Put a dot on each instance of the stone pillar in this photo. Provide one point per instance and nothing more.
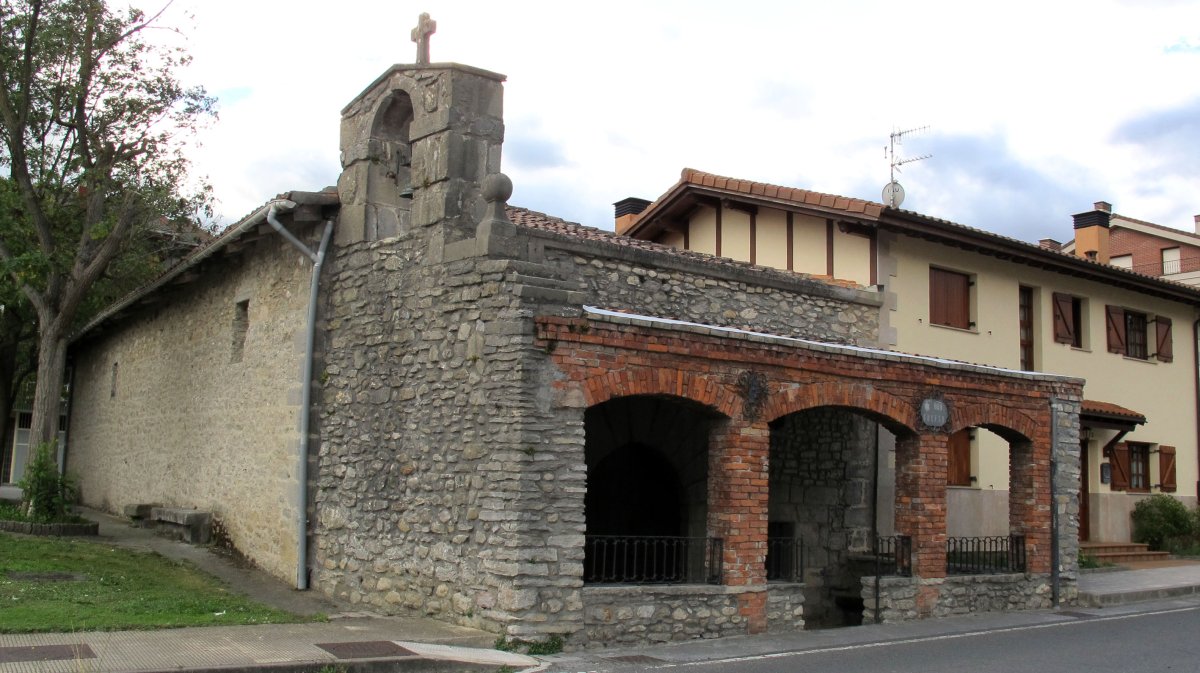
(921, 464)
(737, 511)
(1029, 500)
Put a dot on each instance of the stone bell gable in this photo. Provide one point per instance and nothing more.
(415, 147)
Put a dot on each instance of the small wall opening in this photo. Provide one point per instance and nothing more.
(241, 325)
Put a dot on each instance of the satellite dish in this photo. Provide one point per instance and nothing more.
(893, 194)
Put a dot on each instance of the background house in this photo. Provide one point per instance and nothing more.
(956, 292)
(1140, 246)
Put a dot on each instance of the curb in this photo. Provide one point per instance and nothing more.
(1109, 600)
(385, 665)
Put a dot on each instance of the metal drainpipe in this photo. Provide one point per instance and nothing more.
(1196, 376)
(1054, 572)
(875, 520)
(318, 259)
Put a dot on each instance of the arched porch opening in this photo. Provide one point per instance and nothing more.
(828, 474)
(646, 506)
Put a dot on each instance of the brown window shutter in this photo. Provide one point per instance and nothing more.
(958, 449)
(949, 298)
(1120, 467)
(1064, 321)
(1166, 468)
(1165, 352)
(1115, 317)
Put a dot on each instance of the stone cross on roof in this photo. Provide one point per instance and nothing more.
(420, 35)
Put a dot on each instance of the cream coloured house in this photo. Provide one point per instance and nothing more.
(965, 294)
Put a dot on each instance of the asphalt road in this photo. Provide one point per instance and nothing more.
(1154, 640)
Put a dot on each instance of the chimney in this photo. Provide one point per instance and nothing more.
(1091, 234)
(1050, 244)
(1103, 206)
(628, 212)
(1197, 220)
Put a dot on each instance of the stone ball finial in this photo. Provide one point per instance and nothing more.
(497, 187)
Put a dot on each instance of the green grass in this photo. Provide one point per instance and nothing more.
(11, 512)
(119, 589)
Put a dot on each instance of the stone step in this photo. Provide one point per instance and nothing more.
(1111, 547)
(1131, 557)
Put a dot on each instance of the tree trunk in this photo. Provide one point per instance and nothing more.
(47, 394)
(10, 347)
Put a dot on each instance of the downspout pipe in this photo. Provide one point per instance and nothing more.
(318, 260)
(1055, 580)
(1196, 376)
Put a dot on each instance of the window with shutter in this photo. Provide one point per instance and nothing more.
(1166, 469)
(1114, 318)
(1164, 351)
(1119, 462)
(1138, 457)
(1135, 335)
(1025, 326)
(958, 471)
(949, 298)
(1064, 324)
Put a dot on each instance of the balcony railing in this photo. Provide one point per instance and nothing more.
(638, 559)
(985, 555)
(893, 556)
(785, 559)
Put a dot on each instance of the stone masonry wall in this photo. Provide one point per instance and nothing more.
(634, 615)
(161, 412)
(955, 595)
(624, 279)
(450, 481)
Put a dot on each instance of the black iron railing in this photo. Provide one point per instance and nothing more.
(893, 556)
(985, 555)
(785, 559)
(637, 559)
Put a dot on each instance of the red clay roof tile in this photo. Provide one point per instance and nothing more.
(534, 220)
(1096, 408)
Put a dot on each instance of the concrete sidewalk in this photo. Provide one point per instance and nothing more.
(1119, 587)
(354, 645)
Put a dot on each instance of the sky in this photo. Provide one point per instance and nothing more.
(1031, 111)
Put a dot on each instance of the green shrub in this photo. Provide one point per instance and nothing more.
(47, 494)
(1162, 522)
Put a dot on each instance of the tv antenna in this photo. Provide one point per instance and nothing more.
(893, 193)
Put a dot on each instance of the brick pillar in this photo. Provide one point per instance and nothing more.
(921, 464)
(737, 510)
(1029, 501)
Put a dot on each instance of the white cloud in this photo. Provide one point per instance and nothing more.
(611, 100)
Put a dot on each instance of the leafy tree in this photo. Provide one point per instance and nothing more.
(93, 121)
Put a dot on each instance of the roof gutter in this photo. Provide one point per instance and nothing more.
(1004, 248)
(306, 378)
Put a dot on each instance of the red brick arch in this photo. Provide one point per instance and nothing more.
(901, 412)
(690, 385)
(1009, 423)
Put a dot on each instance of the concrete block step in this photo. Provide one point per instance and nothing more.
(1131, 557)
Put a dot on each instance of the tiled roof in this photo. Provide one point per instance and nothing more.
(805, 197)
(1029, 252)
(534, 220)
(1110, 410)
(1116, 218)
